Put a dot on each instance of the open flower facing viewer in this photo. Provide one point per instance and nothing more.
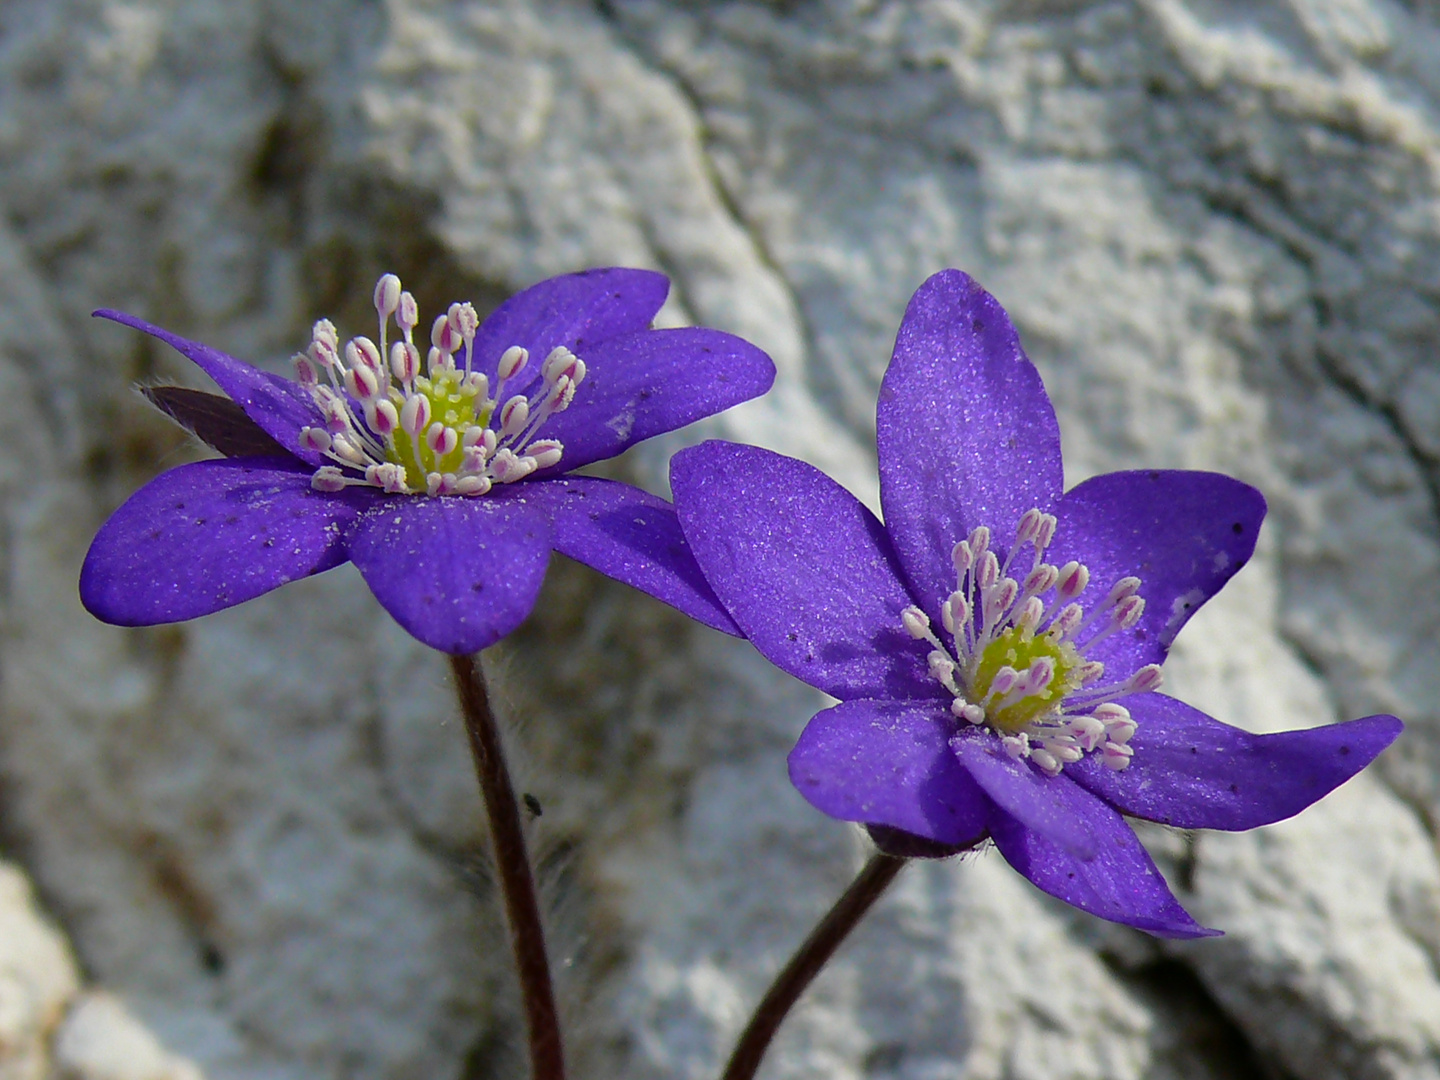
(439, 469)
(996, 644)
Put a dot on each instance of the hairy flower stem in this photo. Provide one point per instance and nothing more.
(807, 962)
(527, 933)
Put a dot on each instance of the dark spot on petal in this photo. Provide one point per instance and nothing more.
(809, 658)
(1070, 874)
(1153, 475)
(479, 586)
(977, 325)
(1344, 751)
(1234, 789)
(646, 395)
(1237, 528)
(200, 521)
(791, 636)
(1194, 749)
(180, 505)
(269, 542)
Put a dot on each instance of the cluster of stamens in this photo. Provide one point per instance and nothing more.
(1019, 665)
(440, 431)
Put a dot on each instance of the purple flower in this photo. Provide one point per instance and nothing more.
(996, 643)
(442, 479)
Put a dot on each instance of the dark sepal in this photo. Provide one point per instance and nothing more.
(215, 420)
(904, 845)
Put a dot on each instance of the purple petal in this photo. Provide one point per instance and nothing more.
(645, 384)
(806, 571)
(888, 763)
(1194, 772)
(279, 406)
(965, 432)
(1038, 802)
(1120, 883)
(1184, 534)
(210, 535)
(574, 310)
(630, 535)
(457, 573)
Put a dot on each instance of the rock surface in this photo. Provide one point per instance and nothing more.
(1215, 224)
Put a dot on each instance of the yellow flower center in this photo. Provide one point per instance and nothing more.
(1019, 648)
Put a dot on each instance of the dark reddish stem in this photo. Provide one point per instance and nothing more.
(512, 862)
(813, 955)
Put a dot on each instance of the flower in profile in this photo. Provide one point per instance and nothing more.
(996, 645)
(442, 476)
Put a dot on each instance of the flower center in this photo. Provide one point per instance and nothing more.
(442, 432)
(1019, 664)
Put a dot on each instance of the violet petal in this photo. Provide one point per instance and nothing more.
(629, 535)
(965, 432)
(804, 568)
(574, 310)
(281, 407)
(645, 384)
(1184, 534)
(457, 573)
(1038, 802)
(1193, 772)
(1121, 883)
(888, 763)
(209, 535)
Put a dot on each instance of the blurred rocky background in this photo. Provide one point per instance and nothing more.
(248, 847)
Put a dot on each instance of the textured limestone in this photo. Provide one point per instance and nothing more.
(1214, 223)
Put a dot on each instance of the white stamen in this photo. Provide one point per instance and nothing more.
(1045, 533)
(328, 478)
(546, 452)
(305, 373)
(1086, 730)
(415, 415)
(387, 295)
(1116, 755)
(513, 416)
(963, 557)
(472, 485)
(1017, 746)
(362, 383)
(382, 417)
(916, 623)
(987, 569)
(511, 361)
(1028, 527)
(361, 352)
(407, 316)
(1046, 760)
(444, 337)
(405, 361)
(314, 438)
(323, 333)
(1145, 680)
(1030, 614)
(1041, 579)
(1074, 578)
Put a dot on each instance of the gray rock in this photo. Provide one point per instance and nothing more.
(1214, 224)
